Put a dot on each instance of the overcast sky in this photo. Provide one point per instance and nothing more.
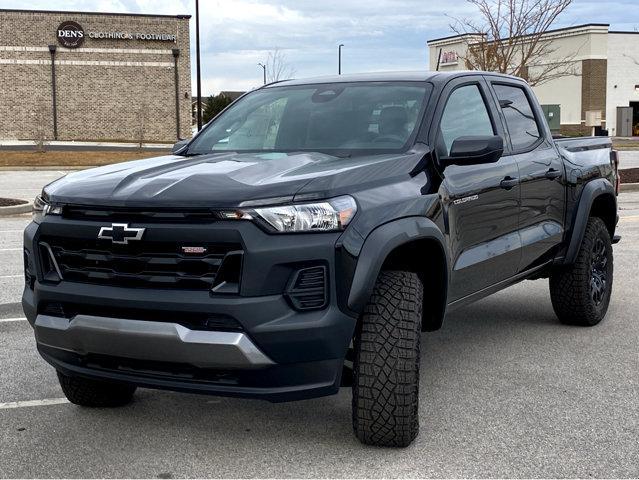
(378, 34)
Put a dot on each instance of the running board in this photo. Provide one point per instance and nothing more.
(473, 297)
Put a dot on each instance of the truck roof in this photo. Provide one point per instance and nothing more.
(409, 76)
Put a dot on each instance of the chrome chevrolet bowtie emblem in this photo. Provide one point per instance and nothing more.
(120, 233)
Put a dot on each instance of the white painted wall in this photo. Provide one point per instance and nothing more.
(566, 92)
(580, 43)
(623, 74)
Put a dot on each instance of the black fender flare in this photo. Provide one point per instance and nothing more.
(379, 244)
(591, 191)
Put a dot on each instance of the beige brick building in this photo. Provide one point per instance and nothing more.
(604, 77)
(94, 76)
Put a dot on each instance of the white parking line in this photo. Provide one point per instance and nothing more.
(10, 249)
(33, 403)
(16, 319)
(12, 231)
(10, 276)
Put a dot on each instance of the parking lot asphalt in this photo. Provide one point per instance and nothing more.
(506, 391)
(26, 184)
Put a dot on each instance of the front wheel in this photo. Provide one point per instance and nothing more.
(95, 393)
(580, 294)
(386, 366)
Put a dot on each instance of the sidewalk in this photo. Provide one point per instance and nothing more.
(628, 159)
(25, 184)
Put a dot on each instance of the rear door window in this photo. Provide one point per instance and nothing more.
(521, 122)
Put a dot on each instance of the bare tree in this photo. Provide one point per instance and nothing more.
(632, 59)
(141, 124)
(507, 37)
(41, 117)
(277, 67)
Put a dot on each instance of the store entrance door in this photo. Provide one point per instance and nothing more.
(635, 118)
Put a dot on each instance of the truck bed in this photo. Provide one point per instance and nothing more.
(576, 144)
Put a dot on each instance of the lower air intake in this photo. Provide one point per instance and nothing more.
(308, 289)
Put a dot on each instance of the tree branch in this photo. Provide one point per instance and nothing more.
(512, 38)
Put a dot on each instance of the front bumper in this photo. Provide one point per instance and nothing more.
(277, 353)
(151, 341)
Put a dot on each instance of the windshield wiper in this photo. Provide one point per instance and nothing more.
(214, 152)
(189, 154)
(339, 154)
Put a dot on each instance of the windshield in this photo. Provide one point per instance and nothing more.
(342, 117)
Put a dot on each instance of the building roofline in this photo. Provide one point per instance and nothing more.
(556, 30)
(575, 27)
(450, 37)
(631, 32)
(75, 12)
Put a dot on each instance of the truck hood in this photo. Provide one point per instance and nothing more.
(223, 179)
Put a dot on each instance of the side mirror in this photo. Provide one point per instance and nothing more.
(475, 150)
(179, 145)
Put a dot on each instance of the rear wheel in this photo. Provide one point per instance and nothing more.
(580, 294)
(95, 393)
(386, 366)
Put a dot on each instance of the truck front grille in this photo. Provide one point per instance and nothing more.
(115, 215)
(150, 265)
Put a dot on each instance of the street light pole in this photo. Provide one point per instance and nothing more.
(339, 58)
(197, 65)
(52, 50)
(263, 68)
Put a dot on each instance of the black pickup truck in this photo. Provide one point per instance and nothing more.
(306, 237)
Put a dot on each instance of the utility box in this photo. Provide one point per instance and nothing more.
(593, 118)
(553, 116)
(624, 122)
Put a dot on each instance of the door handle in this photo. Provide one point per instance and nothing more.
(552, 173)
(509, 182)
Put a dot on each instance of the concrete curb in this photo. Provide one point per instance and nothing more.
(19, 168)
(16, 209)
(56, 144)
(630, 187)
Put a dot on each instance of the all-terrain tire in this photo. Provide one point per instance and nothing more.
(94, 393)
(580, 293)
(386, 366)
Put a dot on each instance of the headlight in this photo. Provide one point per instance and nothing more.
(41, 208)
(326, 216)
